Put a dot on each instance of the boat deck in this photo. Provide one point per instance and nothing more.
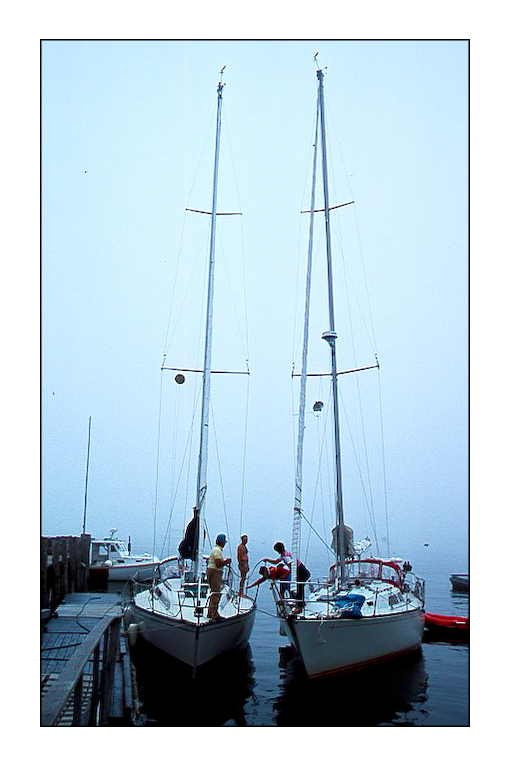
(171, 599)
(379, 599)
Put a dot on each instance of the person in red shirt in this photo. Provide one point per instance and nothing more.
(280, 573)
(303, 574)
(284, 558)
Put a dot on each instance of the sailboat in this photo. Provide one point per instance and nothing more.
(172, 614)
(367, 609)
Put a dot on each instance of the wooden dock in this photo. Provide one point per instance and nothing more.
(64, 568)
(86, 672)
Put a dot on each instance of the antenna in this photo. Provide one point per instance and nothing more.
(87, 477)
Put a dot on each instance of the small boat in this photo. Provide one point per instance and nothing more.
(113, 558)
(368, 609)
(173, 614)
(460, 582)
(447, 626)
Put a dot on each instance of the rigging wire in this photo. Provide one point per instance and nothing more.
(357, 227)
(323, 509)
(296, 333)
(187, 452)
(180, 246)
(366, 320)
(159, 429)
(199, 255)
(319, 478)
(243, 482)
(316, 533)
(221, 484)
(359, 397)
(370, 507)
(170, 336)
(385, 492)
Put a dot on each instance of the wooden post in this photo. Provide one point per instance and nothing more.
(65, 560)
(85, 544)
(44, 573)
(64, 563)
(95, 692)
(77, 701)
(111, 643)
(56, 567)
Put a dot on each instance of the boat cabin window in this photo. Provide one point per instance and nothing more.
(99, 552)
(106, 550)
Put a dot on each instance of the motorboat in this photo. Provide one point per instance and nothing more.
(113, 557)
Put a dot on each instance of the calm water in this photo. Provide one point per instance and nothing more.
(265, 686)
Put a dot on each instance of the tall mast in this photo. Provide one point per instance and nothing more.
(331, 336)
(201, 486)
(296, 527)
(87, 477)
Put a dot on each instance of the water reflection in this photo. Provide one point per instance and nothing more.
(171, 697)
(392, 693)
(460, 603)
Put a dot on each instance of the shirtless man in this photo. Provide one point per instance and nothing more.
(243, 560)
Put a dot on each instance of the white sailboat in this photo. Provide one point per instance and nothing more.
(368, 609)
(172, 614)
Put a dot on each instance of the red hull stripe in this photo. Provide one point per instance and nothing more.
(365, 664)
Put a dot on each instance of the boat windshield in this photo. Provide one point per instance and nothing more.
(374, 569)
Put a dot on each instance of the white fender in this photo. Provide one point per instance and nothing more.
(132, 632)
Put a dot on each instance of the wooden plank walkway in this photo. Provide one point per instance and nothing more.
(77, 618)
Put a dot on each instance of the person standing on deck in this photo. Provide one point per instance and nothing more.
(243, 560)
(215, 576)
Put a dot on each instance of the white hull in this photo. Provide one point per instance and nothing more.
(332, 645)
(191, 643)
(170, 617)
(143, 571)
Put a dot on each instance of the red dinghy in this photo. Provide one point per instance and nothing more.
(447, 625)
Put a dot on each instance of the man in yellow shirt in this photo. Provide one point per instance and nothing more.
(215, 576)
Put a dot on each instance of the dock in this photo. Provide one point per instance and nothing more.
(86, 672)
(87, 678)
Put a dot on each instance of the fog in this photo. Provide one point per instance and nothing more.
(127, 146)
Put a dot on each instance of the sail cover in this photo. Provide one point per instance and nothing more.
(348, 539)
(188, 548)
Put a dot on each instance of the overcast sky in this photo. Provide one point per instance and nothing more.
(127, 145)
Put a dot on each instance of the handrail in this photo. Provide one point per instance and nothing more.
(70, 681)
(284, 604)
